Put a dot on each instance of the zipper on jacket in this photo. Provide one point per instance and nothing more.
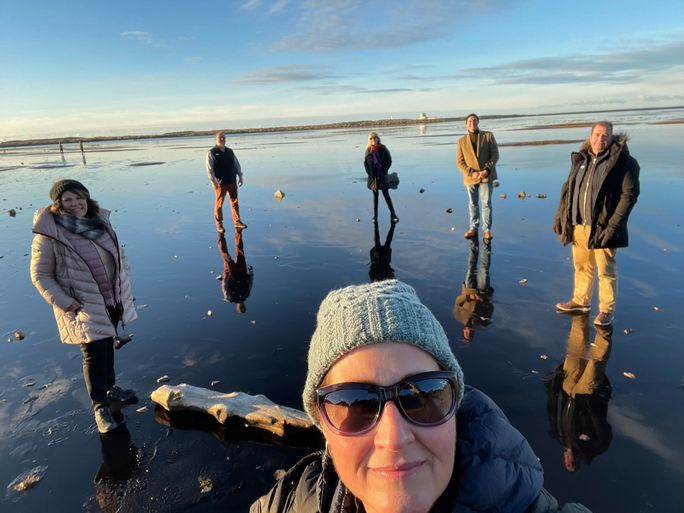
(586, 191)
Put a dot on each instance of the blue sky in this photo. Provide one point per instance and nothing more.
(89, 68)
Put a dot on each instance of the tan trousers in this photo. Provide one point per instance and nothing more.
(585, 363)
(586, 261)
(220, 193)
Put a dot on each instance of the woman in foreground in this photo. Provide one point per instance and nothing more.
(79, 268)
(402, 432)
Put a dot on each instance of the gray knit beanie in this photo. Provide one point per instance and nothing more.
(59, 187)
(360, 315)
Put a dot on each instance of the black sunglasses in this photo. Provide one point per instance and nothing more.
(426, 399)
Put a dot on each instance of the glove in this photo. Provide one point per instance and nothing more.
(557, 227)
(606, 236)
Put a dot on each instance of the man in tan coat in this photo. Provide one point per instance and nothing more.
(476, 156)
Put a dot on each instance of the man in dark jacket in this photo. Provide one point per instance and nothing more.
(225, 174)
(595, 203)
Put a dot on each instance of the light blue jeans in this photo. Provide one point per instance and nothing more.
(480, 193)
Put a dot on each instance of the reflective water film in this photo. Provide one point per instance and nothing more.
(602, 408)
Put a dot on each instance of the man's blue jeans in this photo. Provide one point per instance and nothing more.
(480, 193)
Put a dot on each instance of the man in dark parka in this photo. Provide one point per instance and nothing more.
(596, 200)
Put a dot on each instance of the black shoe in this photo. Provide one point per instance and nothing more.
(395, 219)
(123, 395)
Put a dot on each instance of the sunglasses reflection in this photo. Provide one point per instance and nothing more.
(473, 307)
(238, 277)
(426, 399)
(381, 255)
(578, 393)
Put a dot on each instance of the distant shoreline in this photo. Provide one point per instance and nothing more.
(381, 123)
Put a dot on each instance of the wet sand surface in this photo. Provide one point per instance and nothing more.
(317, 238)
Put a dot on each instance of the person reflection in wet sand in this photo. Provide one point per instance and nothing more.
(237, 275)
(473, 307)
(119, 462)
(381, 256)
(578, 393)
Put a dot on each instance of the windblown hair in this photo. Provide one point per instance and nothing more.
(370, 139)
(93, 207)
(605, 124)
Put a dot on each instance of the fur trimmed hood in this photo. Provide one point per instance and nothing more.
(619, 138)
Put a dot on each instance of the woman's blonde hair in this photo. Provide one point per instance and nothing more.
(370, 138)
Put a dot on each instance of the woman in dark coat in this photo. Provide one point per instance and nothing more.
(403, 434)
(377, 162)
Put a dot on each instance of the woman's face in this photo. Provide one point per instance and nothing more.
(396, 466)
(74, 204)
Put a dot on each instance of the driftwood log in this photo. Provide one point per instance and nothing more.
(255, 410)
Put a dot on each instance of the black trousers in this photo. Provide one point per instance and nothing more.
(98, 365)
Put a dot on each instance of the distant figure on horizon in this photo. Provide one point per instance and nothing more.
(595, 203)
(377, 161)
(223, 168)
(237, 275)
(81, 270)
(476, 156)
(473, 307)
(578, 393)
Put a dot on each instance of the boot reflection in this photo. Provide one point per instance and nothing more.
(381, 256)
(473, 307)
(238, 277)
(578, 393)
(120, 459)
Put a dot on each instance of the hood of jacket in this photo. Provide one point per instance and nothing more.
(617, 147)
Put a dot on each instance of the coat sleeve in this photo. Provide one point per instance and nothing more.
(388, 158)
(460, 159)
(43, 263)
(493, 152)
(628, 195)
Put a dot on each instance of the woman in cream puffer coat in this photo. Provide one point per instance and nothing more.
(80, 269)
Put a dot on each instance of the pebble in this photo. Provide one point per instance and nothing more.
(449, 210)
(358, 220)
(253, 321)
(627, 331)
(12, 212)
(205, 484)
(503, 196)
(523, 281)
(629, 375)
(420, 191)
(541, 196)
(209, 313)
(215, 382)
(142, 409)
(656, 309)
(279, 194)
(544, 357)
(28, 479)
(522, 195)
(19, 335)
(163, 379)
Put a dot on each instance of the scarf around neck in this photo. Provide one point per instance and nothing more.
(91, 228)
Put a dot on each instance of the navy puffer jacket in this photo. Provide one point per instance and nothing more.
(498, 471)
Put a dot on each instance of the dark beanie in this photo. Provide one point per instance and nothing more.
(59, 187)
